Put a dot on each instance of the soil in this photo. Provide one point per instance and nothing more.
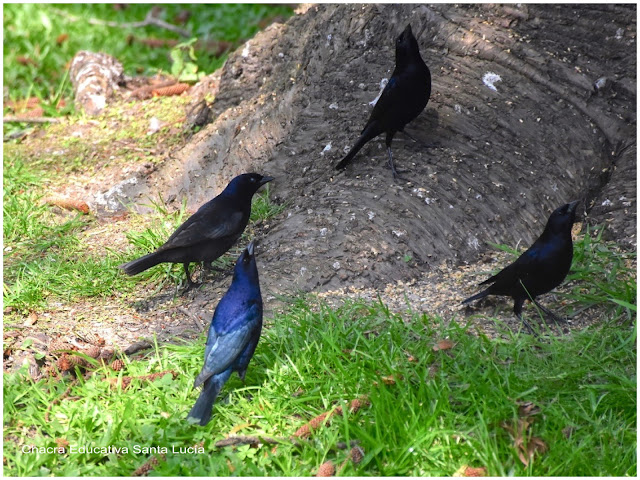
(292, 100)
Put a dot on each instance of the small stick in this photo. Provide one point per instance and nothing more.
(17, 119)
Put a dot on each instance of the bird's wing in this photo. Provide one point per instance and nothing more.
(525, 263)
(206, 226)
(386, 101)
(225, 344)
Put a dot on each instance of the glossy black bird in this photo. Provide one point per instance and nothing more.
(538, 270)
(233, 335)
(402, 100)
(208, 233)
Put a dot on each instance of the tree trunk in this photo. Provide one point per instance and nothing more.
(294, 99)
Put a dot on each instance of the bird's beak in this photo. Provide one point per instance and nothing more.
(408, 29)
(250, 248)
(266, 180)
(573, 205)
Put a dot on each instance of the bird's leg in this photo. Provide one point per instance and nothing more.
(208, 266)
(190, 283)
(390, 163)
(549, 313)
(517, 309)
(421, 142)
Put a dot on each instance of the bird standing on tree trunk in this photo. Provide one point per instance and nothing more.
(233, 335)
(208, 233)
(402, 100)
(538, 270)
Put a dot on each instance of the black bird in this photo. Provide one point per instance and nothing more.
(402, 100)
(538, 270)
(233, 335)
(208, 233)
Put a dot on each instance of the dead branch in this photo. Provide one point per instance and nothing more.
(150, 19)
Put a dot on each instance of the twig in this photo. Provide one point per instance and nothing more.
(195, 319)
(14, 119)
(148, 20)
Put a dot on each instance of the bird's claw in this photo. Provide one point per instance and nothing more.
(189, 286)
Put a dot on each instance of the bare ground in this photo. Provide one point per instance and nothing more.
(292, 100)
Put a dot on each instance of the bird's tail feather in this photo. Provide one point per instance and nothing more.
(477, 296)
(367, 134)
(201, 411)
(141, 264)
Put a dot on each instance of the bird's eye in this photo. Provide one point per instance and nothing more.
(253, 179)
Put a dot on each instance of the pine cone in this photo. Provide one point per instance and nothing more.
(106, 354)
(326, 469)
(117, 365)
(77, 360)
(64, 363)
(357, 454)
(92, 351)
(93, 339)
(56, 346)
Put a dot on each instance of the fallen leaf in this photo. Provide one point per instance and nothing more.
(237, 428)
(388, 380)
(31, 319)
(443, 345)
(528, 409)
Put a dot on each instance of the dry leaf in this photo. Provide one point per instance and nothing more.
(443, 345)
(389, 380)
(237, 428)
(527, 409)
(67, 203)
(62, 443)
(526, 449)
(31, 319)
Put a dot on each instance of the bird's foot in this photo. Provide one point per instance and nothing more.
(396, 173)
(549, 314)
(209, 267)
(189, 286)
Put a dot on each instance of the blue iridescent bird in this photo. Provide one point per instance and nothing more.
(233, 335)
(538, 270)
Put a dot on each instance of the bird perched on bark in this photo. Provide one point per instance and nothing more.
(402, 99)
(538, 270)
(208, 233)
(233, 335)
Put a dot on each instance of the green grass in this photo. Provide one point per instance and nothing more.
(36, 52)
(46, 255)
(443, 412)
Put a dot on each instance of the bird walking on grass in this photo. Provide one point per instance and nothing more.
(403, 98)
(233, 335)
(208, 233)
(538, 270)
